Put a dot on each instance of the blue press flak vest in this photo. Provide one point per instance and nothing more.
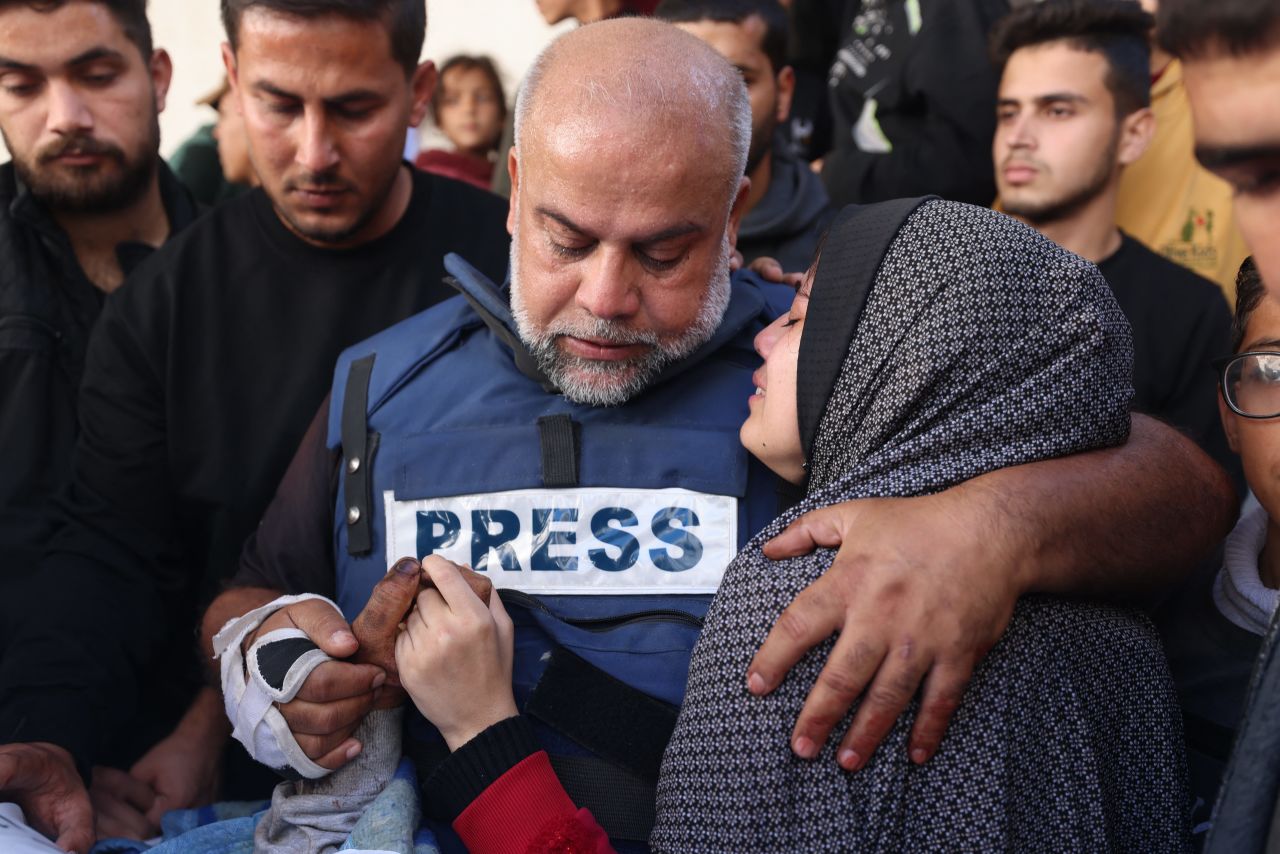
(606, 528)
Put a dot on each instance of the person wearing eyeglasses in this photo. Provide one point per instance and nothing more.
(1212, 630)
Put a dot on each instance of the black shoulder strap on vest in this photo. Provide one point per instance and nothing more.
(524, 359)
(356, 450)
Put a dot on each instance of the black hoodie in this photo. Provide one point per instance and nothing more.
(787, 223)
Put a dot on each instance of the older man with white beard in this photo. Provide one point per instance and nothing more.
(580, 448)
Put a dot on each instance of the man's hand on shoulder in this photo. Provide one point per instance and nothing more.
(42, 779)
(916, 596)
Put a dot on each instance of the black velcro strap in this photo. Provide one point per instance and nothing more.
(355, 456)
(558, 435)
(621, 803)
(275, 659)
(603, 714)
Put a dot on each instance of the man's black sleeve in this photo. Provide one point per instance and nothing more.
(292, 549)
(112, 587)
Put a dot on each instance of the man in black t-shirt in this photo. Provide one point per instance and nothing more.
(203, 373)
(787, 208)
(1072, 112)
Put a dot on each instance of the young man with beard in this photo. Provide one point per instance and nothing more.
(787, 209)
(203, 373)
(1072, 113)
(580, 445)
(84, 199)
(1230, 54)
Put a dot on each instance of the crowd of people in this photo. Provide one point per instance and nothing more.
(825, 425)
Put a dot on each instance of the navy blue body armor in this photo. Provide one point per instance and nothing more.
(607, 529)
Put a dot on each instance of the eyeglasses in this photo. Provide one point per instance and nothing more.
(1250, 383)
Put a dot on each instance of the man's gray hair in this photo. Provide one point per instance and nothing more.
(654, 86)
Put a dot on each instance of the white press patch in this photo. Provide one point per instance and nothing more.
(571, 541)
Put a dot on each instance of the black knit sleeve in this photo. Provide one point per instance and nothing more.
(473, 767)
(292, 548)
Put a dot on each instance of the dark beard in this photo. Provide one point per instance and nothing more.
(1056, 210)
(761, 145)
(333, 236)
(86, 191)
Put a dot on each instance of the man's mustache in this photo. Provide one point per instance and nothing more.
(80, 145)
(316, 181)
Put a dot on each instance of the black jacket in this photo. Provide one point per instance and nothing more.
(47, 309)
(787, 223)
(201, 377)
(913, 95)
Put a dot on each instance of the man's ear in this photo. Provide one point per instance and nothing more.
(739, 209)
(229, 65)
(1230, 424)
(513, 169)
(1136, 132)
(424, 86)
(785, 80)
(161, 70)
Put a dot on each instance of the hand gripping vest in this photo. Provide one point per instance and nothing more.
(607, 529)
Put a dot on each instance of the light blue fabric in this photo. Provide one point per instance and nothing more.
(390, 824)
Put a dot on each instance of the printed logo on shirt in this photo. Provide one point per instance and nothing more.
(575, 541)
(1194, 246)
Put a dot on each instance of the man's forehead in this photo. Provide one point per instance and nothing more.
(325, 44)
(59, 36)
(1056, 66)
(735, 40)
(1228, 96)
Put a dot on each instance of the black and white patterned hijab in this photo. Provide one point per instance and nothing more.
(970, 344)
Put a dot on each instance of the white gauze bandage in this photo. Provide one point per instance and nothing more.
(273, 671)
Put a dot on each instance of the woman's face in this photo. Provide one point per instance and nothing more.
(469, 112)
(772, 430)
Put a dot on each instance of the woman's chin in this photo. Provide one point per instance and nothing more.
(789, 467)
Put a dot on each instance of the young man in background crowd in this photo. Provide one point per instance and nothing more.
(1168, 201)
(204, 372)
(787, 210)
(1072, 114)
(1230, 54)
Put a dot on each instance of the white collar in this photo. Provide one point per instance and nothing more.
(1238, 591)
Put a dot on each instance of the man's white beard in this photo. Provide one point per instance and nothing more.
(611, 383)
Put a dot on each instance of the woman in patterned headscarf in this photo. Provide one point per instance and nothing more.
(921, 356)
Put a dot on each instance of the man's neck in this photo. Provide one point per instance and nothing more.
(760, 178)
(1090, 232)
(94, 237)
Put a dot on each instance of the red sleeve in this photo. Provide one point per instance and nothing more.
(526, 811)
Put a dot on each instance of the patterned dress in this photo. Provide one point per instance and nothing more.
(977, 344)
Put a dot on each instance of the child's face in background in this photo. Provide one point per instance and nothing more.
(470, 114)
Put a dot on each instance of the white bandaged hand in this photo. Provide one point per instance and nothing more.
(273, 671)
